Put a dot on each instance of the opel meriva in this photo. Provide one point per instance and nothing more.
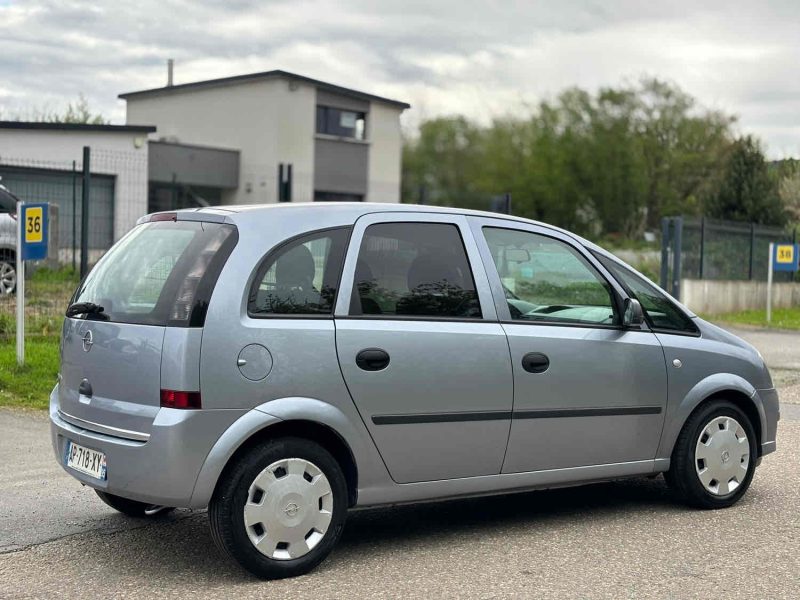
(281, 365)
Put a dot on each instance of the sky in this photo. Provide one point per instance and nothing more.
(478, 58)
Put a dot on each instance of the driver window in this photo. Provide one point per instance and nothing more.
(547, 281)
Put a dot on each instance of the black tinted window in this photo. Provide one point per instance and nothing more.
(414, 269)
(659, 310)
(301, 277)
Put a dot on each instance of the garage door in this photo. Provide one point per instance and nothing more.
(56, 187)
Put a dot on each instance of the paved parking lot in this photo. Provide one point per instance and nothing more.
(621, 539)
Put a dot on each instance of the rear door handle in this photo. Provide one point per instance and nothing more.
(372, 359)
(535, 362)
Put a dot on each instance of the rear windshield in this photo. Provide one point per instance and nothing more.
(160, 273)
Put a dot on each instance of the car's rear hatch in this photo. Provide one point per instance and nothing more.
(154, 284)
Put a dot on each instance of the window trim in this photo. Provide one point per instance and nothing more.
(264, 264)
(616, 300)
(683, 332)
(395, 317)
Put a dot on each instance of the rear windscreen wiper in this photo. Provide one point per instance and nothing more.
(86, 308)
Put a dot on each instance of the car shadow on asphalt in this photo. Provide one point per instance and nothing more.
(186, 540)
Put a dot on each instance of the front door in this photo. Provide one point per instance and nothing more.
(420, 348)
(586, 390)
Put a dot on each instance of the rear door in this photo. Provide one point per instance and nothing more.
(154, 279)
(422, 353)
(586, 390)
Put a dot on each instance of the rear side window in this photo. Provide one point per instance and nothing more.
(660, 311)
(160, 273)
(301, 277)
(545, 280)
(415, 270)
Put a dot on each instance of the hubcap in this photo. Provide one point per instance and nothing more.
(722, 456)
(8, 278)
(289, 508)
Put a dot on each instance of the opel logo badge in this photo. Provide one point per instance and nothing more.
(87, 341)
(726, 456)
(291, 509)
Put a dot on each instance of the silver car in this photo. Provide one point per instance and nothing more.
(281, 365)
(8, 241)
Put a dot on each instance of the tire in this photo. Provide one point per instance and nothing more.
(133, 508)
(723, 480)
(8, 276)
(305, 502)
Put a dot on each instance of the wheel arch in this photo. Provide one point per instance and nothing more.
(306, 418)
(720, 386)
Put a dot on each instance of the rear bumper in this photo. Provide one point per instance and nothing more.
(772, 414)
(162, 470)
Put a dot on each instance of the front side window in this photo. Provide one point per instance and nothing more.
(301, 277)
(660, 311)
(341, 123)
(546, 280)
(414, 270)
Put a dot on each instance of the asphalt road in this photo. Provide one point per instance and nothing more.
(620, 539)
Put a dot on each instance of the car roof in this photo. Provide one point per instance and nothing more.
(353, 210)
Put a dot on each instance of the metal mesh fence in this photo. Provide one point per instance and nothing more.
(117, 198)
(726, 250)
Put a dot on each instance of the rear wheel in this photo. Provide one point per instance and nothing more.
(133, 508)
(280, 508)
(714, 457)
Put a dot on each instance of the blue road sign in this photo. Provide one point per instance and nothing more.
(33, 221)
(784, 257)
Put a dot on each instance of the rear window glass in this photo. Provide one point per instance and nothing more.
(152, 276)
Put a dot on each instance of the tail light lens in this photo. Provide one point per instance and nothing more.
(179, 399)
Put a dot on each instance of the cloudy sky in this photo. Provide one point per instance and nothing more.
(480, 58)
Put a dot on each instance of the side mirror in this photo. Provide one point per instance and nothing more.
(634, 315)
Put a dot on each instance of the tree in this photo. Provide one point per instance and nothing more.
(789, 190)
(746, 190)
(79, 112)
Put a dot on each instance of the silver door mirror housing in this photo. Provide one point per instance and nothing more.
(634, 315)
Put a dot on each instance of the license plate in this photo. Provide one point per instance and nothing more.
(85, 460)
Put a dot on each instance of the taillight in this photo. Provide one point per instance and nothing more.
(164, 217)
(177, 399)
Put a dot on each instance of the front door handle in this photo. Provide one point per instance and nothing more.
(372, 359)
(535, 362)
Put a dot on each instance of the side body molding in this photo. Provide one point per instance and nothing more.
(678, 413)
(369, 466)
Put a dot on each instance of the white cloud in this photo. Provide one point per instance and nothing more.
(476, 57)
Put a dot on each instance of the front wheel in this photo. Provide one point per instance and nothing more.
(714, 457)
(280, 508)
(8, 276)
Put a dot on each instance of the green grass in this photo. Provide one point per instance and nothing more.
(782, 318)
(28, 386)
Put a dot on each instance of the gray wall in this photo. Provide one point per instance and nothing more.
(194, 165)
(709, 297)
(340, 166)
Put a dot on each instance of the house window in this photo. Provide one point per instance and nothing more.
(341, 123)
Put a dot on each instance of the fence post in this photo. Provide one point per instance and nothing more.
(664, 252)
(87, 184)
(702, 247)
(74, 214)
(677, 242)
(752, 249)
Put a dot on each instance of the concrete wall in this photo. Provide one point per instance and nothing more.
(385, 153)
(268, 121)
(121, 154)
(718, 297)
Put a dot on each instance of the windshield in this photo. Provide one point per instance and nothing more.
(151, 275)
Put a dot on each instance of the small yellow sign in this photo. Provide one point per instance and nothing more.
(33, 225)
(784, 253)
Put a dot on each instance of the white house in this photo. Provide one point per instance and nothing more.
(269, 137)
